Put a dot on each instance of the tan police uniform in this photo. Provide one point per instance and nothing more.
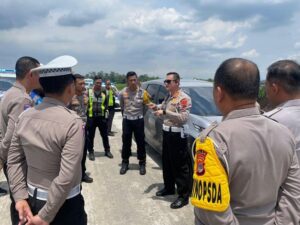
(175, 155)
(132, 105)
(13, 103)
(288, 114)
(79, 105)
(45, 154)
(258, 155)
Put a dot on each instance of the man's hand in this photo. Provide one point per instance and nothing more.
(159, 112)
(152, 106)
(24, 211)
(36, 220)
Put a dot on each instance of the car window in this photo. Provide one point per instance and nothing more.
(202, 101)
(5, 85)
(161, 95)
(152, 90)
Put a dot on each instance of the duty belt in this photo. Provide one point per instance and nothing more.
(172, 129)
(43, 194)
(132, 117)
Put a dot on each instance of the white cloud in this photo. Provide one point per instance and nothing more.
(297, 45)
(250, 54)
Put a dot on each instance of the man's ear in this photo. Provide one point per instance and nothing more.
(275, 88)
(219, 94)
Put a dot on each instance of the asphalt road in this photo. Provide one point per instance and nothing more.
(114, 199)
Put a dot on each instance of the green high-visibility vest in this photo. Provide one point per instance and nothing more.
(90, 106)
(110, 98)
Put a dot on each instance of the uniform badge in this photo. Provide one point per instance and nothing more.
(27, 106)
(200, 160)
(184, 103)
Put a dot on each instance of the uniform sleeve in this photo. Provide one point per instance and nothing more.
(183, 110)
(14, 110)
(288, 207)
(17, 169)
(205, 217)
(70, 162)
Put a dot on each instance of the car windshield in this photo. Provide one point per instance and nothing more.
(5, 85)
(202, 101)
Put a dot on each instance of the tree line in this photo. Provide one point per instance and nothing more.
(117, 77)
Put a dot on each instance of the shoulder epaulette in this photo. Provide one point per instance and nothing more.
(206, 131)
(273, 112)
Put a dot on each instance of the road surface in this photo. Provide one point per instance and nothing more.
(114, 199)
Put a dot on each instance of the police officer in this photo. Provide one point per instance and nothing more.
(283, 92)
(110, 93)
(176, 162)
(246, 171)
(79, 104)
(13, 103)
(97, 117)
(46, 151)
(132, 101)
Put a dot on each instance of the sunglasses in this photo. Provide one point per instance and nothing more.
(168, 81)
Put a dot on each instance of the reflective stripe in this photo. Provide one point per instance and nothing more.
(172, 129)
(90, 106)
(110, 98)
(43, 194)
(90, 109)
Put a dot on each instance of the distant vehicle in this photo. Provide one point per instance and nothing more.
(88, 83)
(7, 79)
(202, 114)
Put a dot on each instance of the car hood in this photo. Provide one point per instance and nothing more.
(198, 123)
(208, 119)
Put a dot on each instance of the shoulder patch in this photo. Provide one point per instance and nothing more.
(210, 181)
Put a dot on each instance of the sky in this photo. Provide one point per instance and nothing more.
(191, 37)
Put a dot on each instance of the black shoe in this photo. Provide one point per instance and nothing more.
(179, 203)
(164, 192)
(3, 192)
(109, 155)
(92, 156)
(124, 168)
(142, 169)
(87, 179)
(111, 134)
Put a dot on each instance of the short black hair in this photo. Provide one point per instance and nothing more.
(286, 73)
(24, 65)
(97, 77)
(57, 84)
(239, 77)
(130, 74)
(175, 75)
(78, 76)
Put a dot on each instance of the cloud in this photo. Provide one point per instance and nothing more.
(297, 45)
(80, 18)
(250, 54)
(171, 26)
(271, 13)
(17, 13)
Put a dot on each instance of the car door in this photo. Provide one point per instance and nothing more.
(150, 118)
(158, 135)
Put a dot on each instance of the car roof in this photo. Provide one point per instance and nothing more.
(184, 83)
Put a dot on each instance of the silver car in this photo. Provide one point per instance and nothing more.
(203, 111)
